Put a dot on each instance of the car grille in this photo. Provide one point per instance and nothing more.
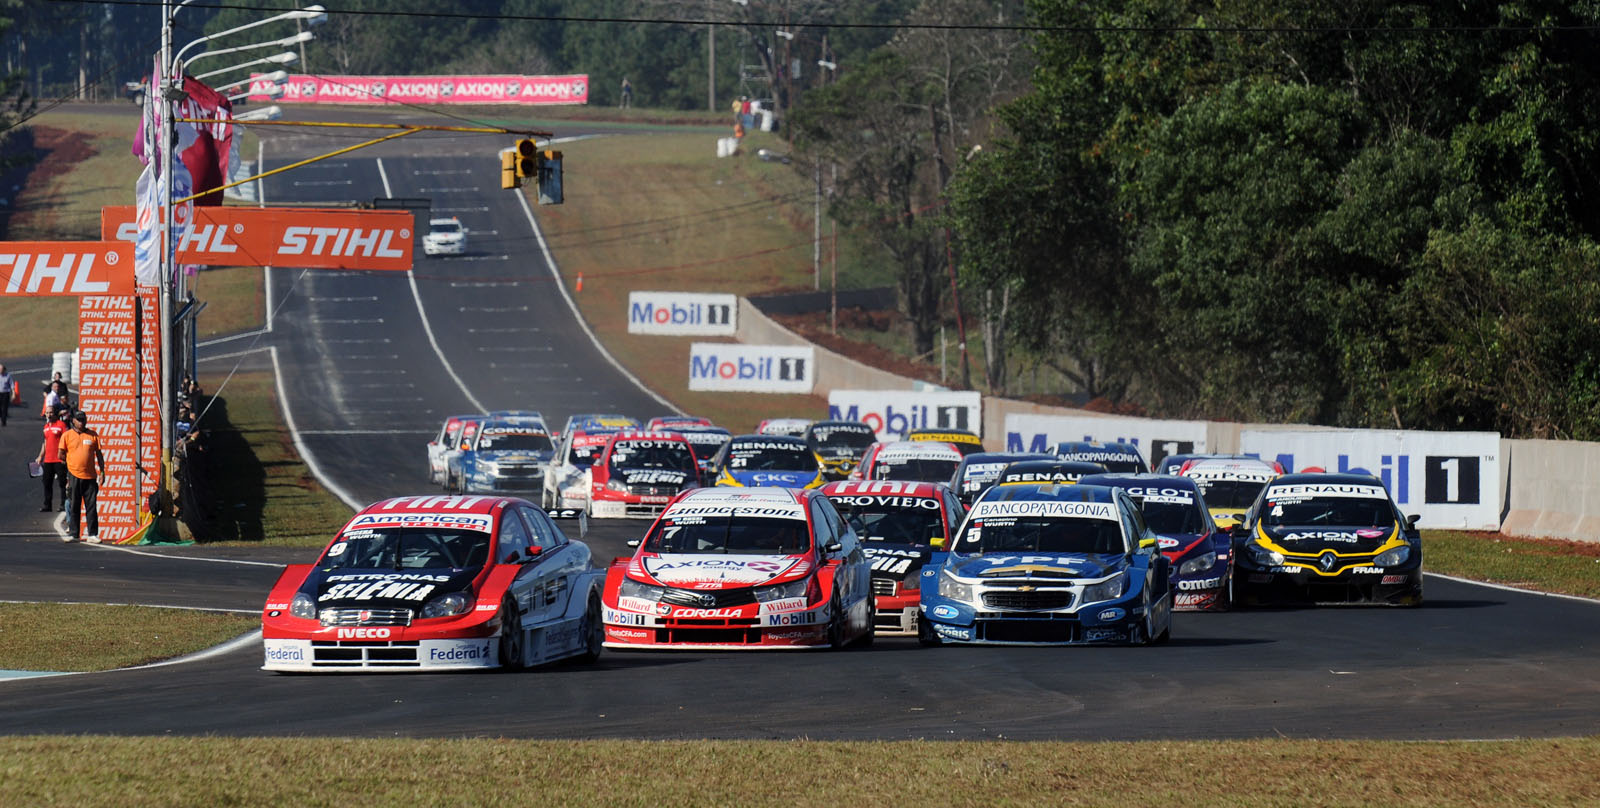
(884, 586)
(653, 490)
(710, 636)
(644, 510)
(1029, 630)
(1035, 573)
(365, 617)
(712, 599)
(397, 654)
(1015, 601)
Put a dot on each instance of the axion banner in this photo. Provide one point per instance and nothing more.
(308, 89)
(66, 268)
(282, 237)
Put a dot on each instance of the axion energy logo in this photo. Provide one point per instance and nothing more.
(521, 90)
(682, 314)
(283, 237)
(893, 413)
(751, 368)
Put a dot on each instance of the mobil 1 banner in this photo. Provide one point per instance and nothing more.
(1452, 479)
(1154, 438)
(893, 413)
(682, 314)
(752, 368)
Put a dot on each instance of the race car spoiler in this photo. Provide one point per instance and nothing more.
(572, 513)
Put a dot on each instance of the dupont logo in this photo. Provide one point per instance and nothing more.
(682, 313)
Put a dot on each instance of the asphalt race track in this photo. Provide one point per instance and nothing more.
(371, 362)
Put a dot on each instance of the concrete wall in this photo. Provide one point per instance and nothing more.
(834, 371)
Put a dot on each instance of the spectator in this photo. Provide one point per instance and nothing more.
(746, 117)
(80, 449)
(627, 93)
(8, 388)
(52, 402)
(49, 459)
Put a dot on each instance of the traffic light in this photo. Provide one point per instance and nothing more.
(508, 171)
(527, 156)
(550, 191)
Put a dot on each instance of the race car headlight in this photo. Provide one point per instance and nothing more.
(489, 467)
(1393, 558)
(1200, 564)
(303, 606)
(445, 605)
(792, 589)
(615, 484)
(1264, 557)
(634, 589)
(1108, 589)
(953, 589)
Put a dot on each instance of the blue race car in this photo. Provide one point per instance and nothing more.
(979, 470)
(506, 455)
(1118, 457)
(1200, 552)
(777, 461)
(1046, 564)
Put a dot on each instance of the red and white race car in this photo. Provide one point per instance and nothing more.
(638, 473)
(668, 423)
(920, 461)
(741, 569)
(901, 525)
(437, 583)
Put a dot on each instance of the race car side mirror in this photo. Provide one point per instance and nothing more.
(1147, 543)
(633, 542)
(1412, 520)
(937, 542)
(1239, 531)
(832, 547)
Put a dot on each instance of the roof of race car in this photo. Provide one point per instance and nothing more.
(915, 450)
(1089, 447)
(646, 434)
(1011, 499)
(432, 503)
(897, 488)
(787, 441)
(855, 425)
(1322, 483)
(677, 420)
(1052, 466)
(513, 425)
(591, 420)
(1132, 482)
(772, 502)
(1223, 468)
(1000, 458)
(943, 436)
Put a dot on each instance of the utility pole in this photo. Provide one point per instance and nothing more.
(816, 227)
(161, 85)
(711, 67)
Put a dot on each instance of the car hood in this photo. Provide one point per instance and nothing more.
(1177, 545)
(513, 457)
(1044, 566)
(651, 477)
(896, 561)
(780, 479)
(1316, 538)
(712, 571)
(384, 588)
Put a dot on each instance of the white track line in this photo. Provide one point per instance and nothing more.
(427, 328)
(300, 445)
(145, 605)
(1504, 588)
(132, 551)
(215, 651)
(561, 285)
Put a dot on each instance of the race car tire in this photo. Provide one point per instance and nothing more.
(866, 638)
(835, 624)
(594, 631)
(926, 636)
(511, 636)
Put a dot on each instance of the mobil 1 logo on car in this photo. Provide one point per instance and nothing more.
(682, 313)
(751, 368)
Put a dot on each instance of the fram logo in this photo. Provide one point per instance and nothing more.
(66, 268)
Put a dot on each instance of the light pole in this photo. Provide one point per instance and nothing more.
(280, 59)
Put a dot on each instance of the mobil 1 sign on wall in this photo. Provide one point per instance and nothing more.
(1452, 479)
(732, 366)
(682, 314)
(1155, 438)
(893, 413)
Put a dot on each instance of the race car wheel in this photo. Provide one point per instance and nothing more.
(926, 635)
(866, 638)
(511, 637)
(594, 631)
(836, 621)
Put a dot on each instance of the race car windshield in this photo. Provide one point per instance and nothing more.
(915, 469)
(584, 456)
(675, 458)
(447, 228)
(1173, 517)
(1331, 511)
(1239, 494)
(1022, 534)
(515, 442)
(787, 458)
(408, 548)
(916, 527)
(841, 440)
(729, 534)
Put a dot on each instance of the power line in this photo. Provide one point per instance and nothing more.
(896, 26)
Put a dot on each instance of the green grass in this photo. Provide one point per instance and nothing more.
(91, 637)
(160, 771)
(1547, 565)
(61, 201)
(265, 493)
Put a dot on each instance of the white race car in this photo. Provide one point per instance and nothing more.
(445, 237)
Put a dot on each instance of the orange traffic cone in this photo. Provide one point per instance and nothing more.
(580, 282)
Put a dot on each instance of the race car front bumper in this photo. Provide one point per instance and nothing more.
(466, 642)
(736, 629)
(1394, 586)
(1111, 621)
(446, 248)
(897, 614)
(627, 506)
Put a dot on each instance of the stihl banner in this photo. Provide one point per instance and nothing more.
(66, 268)
(305, 89)
(306, 238)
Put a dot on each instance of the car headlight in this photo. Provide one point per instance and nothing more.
(1200, 564)
(1109, 589)
(792, 589)
(634, 589)
(1264, 557)
(445, 605)
(1393, 558)
(953, 589)
(303, 606)
(489, 467)
(615, 484)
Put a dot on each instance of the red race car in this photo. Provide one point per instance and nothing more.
(742, 568)
(638, 473)
(437, 583)
(901, 525)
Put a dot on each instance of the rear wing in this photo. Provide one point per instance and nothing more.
(572, 513)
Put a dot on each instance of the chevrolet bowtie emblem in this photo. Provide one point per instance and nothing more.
(1027, 588)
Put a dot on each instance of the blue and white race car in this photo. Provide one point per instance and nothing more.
(1049, 565)
(768, 460)
(509, 455)
(1199, 551)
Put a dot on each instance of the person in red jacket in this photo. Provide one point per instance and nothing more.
(49, 459)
